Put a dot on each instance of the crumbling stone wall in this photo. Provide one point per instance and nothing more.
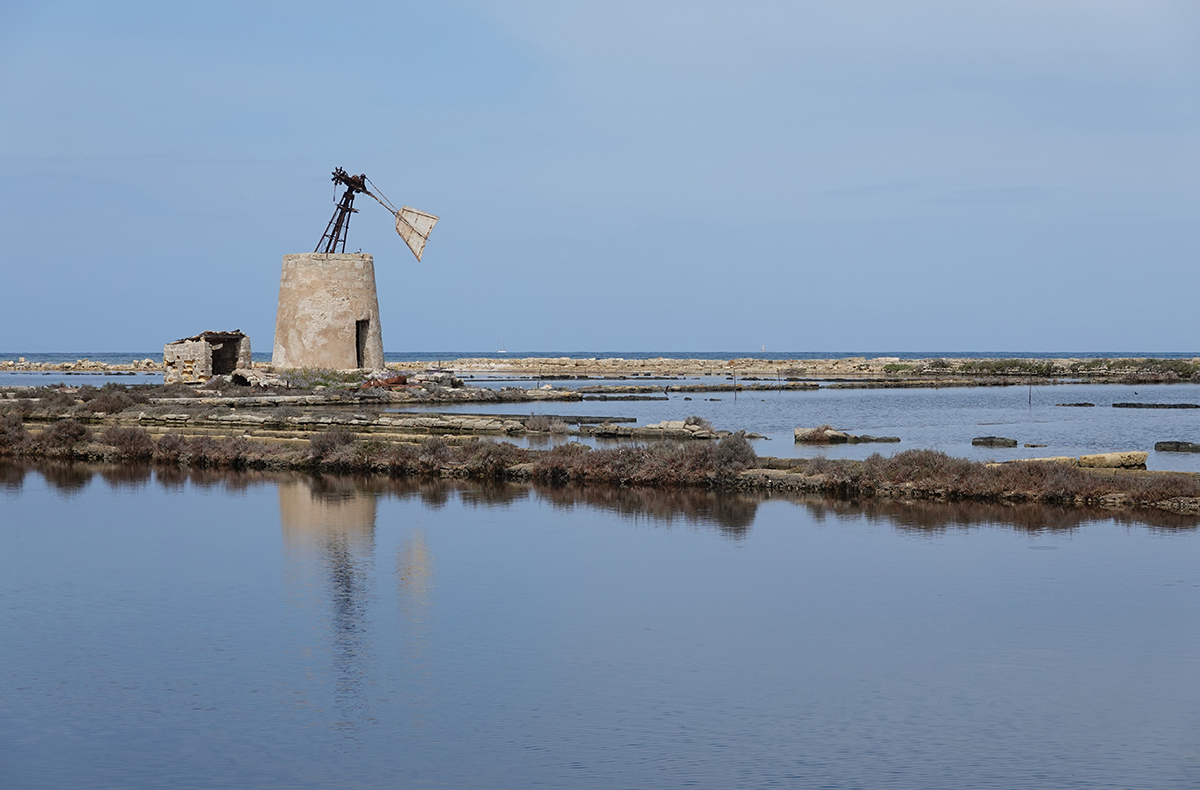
(195, 360)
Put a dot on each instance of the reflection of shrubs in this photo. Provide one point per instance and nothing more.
(65, 434)
(134, 443)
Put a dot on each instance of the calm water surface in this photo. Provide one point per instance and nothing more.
(944, 419)
(296, 632)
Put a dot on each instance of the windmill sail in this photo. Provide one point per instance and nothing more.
(414, 227)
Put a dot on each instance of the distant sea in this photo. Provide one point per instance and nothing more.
(121, 357)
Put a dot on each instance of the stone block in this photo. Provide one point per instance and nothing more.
(1123, 460)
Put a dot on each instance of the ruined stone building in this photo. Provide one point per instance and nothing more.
(193, 360)
(328, 314)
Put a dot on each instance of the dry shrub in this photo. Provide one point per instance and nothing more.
(934, 473)
(328, 442)
(109, 403)
(134, 443)
(734, 453)
(1165, 486)
(13, 436)
(433, 454)
(490, 460)
(541, 423)
(54, 399)
(64, 435)
(236, 453)
(170, 449)
(176, 391)
(557, 465)
(281, 414)
(668, 465)
(400, 459)
(202, 451)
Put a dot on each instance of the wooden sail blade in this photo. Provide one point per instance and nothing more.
(414, 227)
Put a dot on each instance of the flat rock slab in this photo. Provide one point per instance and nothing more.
(1125, 460)
(993, 441)
(1177, 447)
(807, 436)
(1156, 405)
(1085, 403)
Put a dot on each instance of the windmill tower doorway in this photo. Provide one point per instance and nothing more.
(362, 330)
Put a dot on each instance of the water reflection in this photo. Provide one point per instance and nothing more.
(12, 477)
(414, 585)
(66, 477)
(329, 535)
(940, 517)
(329, 531)
(732, 513)
(319, 513)
(130, 476)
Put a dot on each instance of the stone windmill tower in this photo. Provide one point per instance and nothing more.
(328, 313)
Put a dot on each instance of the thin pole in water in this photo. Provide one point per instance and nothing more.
(1030, 394)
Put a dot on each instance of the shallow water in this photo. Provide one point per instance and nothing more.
(213, 630)
(53, 378)
(941, 419)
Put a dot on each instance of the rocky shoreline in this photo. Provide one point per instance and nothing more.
(767, 373)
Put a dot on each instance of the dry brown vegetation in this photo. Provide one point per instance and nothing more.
(542, 423)
(931, 473)
(914, 474)
(662, 465)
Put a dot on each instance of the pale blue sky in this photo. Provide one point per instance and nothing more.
(991, 175)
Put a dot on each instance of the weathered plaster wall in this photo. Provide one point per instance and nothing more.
(321, 297)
